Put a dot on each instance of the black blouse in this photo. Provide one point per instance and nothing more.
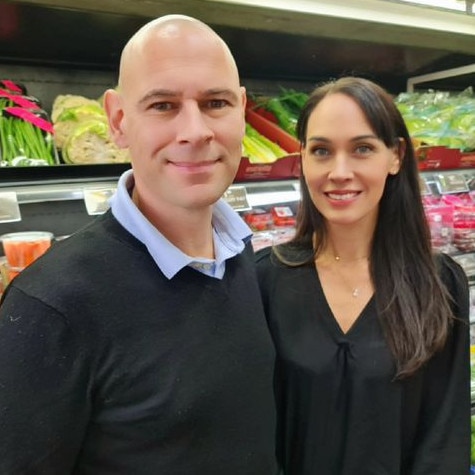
(340, 410)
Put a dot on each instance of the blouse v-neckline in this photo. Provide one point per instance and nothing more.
(329, 315)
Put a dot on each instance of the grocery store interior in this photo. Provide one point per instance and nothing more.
(423, 52)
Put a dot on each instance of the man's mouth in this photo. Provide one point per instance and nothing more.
(194, 166)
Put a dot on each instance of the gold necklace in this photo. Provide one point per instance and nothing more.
(338, 259)
(355, 291)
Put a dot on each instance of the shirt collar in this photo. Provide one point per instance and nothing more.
(230, 234)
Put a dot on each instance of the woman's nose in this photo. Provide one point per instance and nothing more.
(341, 168)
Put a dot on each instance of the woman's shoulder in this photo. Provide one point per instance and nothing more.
(263, 256)
(449, 269)
(455, 281)
(283, 255)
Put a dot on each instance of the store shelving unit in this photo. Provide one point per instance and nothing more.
(73, 47)
(464, 75)
(64, 46)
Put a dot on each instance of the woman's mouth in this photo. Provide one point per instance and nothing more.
(342, 196)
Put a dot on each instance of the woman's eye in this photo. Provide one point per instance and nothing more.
(320, 152)
(363, 149)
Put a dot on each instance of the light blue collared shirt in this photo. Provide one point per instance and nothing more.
(230, 234)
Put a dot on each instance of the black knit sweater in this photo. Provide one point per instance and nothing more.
(108, 367)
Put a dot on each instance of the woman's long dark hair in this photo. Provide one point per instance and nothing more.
(413, 305)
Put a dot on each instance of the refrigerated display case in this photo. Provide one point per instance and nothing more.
(64, 46)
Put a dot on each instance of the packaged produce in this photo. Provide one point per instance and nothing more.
(440, 118)
(463, 220)
(440, 217)
(4, 274)
(12, 86)
(82, 132)
(26, 138)
(23, 248)
(89, 143)
(259, 219)
(70, 118)
(261, 240)
(26, 133)
(259, 149)
(283, 216)
(281, 235)
(285, 108)
(63, 102)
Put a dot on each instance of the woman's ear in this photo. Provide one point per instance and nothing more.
(399, 153)
(115, 116)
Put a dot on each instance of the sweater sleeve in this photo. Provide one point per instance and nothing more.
(43, 385)
(443, 441)
(265, 274)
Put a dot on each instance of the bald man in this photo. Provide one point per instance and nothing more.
(138, 346)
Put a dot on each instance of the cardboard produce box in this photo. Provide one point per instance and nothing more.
(438, 157)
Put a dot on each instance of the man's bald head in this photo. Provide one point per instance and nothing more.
(165, 31)
(180, 110)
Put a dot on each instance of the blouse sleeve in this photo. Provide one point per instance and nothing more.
(443, 441)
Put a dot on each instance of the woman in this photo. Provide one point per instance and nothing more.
(371, 327)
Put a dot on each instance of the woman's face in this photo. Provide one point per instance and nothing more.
(344, 163)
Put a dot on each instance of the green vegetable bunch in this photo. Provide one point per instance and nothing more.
(286, 108)
(259, 149)
(24, 144)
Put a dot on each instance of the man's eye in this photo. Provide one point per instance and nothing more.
(217, 103)
(161, 106)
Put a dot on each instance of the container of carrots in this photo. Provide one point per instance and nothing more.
(23, 248)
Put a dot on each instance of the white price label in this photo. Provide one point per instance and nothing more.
(236, 197)
(97, 201)
(9, 207)
(451, 183)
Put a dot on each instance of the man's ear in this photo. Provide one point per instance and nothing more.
(243, 100)
(115, 116)
(243, 97)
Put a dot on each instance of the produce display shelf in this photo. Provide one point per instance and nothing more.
(16, 176)
(468, 71)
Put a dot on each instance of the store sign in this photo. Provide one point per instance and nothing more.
(9, 207)
(97, 200)
(236, 197)
(451, 183)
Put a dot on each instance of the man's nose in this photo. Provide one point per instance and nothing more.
(192, 125)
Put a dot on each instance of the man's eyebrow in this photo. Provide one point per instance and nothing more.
(158, 93)
(221, 92)
(169, 93)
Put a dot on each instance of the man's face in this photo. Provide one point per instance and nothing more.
(180, 111)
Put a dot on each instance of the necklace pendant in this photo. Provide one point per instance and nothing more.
(355, 293)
